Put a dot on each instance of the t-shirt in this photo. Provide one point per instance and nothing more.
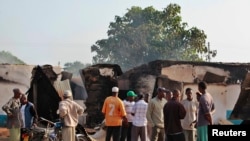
(114, 110)
(140, 111)
(128, 108)
(191, 108)
(206, 105)
(22, 110)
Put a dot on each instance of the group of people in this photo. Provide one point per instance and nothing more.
(165, 117)
(125, 120)
(22, 115)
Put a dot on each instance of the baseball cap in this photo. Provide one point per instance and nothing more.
(131, 93)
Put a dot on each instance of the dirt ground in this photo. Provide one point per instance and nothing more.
(4, 133)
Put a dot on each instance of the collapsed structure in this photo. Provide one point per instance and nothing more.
(224, 83)
(98, 80)
(228, 83)
(44, 86)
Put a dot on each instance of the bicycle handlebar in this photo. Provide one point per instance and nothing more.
(47, 120)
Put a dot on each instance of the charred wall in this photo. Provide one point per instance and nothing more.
(99, 80)
(221, 77)
(224, 79)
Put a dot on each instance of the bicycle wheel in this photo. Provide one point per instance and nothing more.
(36, 138)
(81, 137)
(53, 139)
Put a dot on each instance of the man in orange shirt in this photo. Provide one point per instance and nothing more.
(114, 112)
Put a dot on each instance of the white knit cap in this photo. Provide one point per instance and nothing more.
(67, 93)
(115, 89)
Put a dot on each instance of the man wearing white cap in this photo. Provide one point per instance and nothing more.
(114, 112)
(69, 112)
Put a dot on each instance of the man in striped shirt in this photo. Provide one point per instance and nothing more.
(139, 112)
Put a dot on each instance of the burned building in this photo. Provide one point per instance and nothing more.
(242, 107)
(47, 87)
(42, 92)
(98, 80)
(228, 83)
(224, 82)
(44, 86)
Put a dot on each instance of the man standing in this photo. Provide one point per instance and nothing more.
(139, 112)
(206, 108)
(155, 115)
(29, 114)
(14, 121)
(114, 112)
(69, 111)
(191, 107)
(169, 95)
(173, 113)
(128, 104)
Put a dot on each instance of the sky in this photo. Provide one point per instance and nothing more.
(59, 31)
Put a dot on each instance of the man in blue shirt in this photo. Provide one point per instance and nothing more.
(28, 114)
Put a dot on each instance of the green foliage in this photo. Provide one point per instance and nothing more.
(8, 58)
(75, 67)
(144, 35)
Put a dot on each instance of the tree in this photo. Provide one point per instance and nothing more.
(7, 57)
(75, 67)
(144, 35)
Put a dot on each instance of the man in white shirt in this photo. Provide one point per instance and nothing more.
(69, 111)
(139, 111)
(191, 107)
(128, 104)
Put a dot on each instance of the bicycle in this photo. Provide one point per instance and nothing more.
(53, 132)
(44, 132)
(82, 135)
